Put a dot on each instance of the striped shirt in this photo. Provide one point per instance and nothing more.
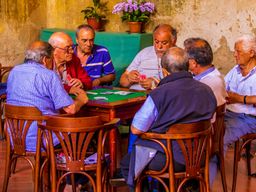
(99, 62)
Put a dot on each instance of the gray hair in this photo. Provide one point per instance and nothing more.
(85, 27)
(174, 60)
(248, 42)
(37, 51)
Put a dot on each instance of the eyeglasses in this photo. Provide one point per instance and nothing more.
(67, 49)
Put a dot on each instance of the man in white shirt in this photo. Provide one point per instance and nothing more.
(145, 70)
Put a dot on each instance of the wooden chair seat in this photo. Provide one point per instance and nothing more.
(217, 142)
(4, 70)
(194, 141)
(17, 123)
(75, 134)
(242, 143)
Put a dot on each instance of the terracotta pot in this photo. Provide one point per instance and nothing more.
(134, 27)
(94, 23)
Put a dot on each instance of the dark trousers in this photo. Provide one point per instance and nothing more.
(157, 163)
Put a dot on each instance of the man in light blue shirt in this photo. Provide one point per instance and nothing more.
(240, 117)
(34, 84)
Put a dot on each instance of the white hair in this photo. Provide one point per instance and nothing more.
(248, 42)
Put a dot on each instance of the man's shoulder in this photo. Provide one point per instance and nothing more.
(146, 50)
(100, 48)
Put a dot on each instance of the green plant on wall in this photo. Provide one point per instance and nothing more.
(99, 10)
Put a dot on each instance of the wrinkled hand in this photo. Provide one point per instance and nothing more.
(82, 96)
(146, 83)
(133, 76)
(75, 83)
(96, 82)
(74, 90)
(233, 97)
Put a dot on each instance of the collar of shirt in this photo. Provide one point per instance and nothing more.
(91, 55)
(203, 74)
(253, 70)
(175, 76)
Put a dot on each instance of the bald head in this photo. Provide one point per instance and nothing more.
(175, 60)
(37, 50)
(166, 28)
(199, 50)
(58, 39)
(63, 47)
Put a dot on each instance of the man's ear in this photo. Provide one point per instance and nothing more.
(44, 62)
(192, 63)
(76, 41)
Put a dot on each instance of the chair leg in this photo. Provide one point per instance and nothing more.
(248, 158)
(13, 167)
(7, 168)
(235, 165)
(222, 171)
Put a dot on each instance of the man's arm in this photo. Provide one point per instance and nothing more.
(104, 79)
(80, 100)
(145, 117)
(237, 98)
(129, 78)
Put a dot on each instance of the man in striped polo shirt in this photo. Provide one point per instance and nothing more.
(95, 59)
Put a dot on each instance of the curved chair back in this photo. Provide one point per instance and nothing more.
(75, 134)
(193, 140)
(17, 123)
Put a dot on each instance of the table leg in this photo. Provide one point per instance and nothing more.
(112, 143)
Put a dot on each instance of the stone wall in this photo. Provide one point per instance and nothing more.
(219, 21)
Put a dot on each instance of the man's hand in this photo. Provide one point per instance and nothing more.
(95, 83)
(234, 98)
(81, 96)
(146, 83)
(74, 90)
(75, 83)
(133, 76)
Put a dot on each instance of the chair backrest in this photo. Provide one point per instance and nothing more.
(218, 130)
(75, 135)
(17, 123)
(193, 140)
(4, 71)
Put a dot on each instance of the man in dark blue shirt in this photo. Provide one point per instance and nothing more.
(177, 99)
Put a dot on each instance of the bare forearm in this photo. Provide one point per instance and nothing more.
(124, 81)
(107, 78)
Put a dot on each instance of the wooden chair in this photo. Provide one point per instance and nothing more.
(218, 131)
(194, 141)
(75, 134)
(17, 123)
(242, 143)
(3, 73)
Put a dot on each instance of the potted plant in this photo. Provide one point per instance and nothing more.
(135, 12)
(96, 14)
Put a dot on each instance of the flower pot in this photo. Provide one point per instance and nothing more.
(94, 23)
(134, 27)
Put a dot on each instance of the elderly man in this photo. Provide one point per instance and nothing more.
(95, 59)
(35, 84)
(240, 117)
(162, 108)
(200, 64)
(67, 65)
(145, 70)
